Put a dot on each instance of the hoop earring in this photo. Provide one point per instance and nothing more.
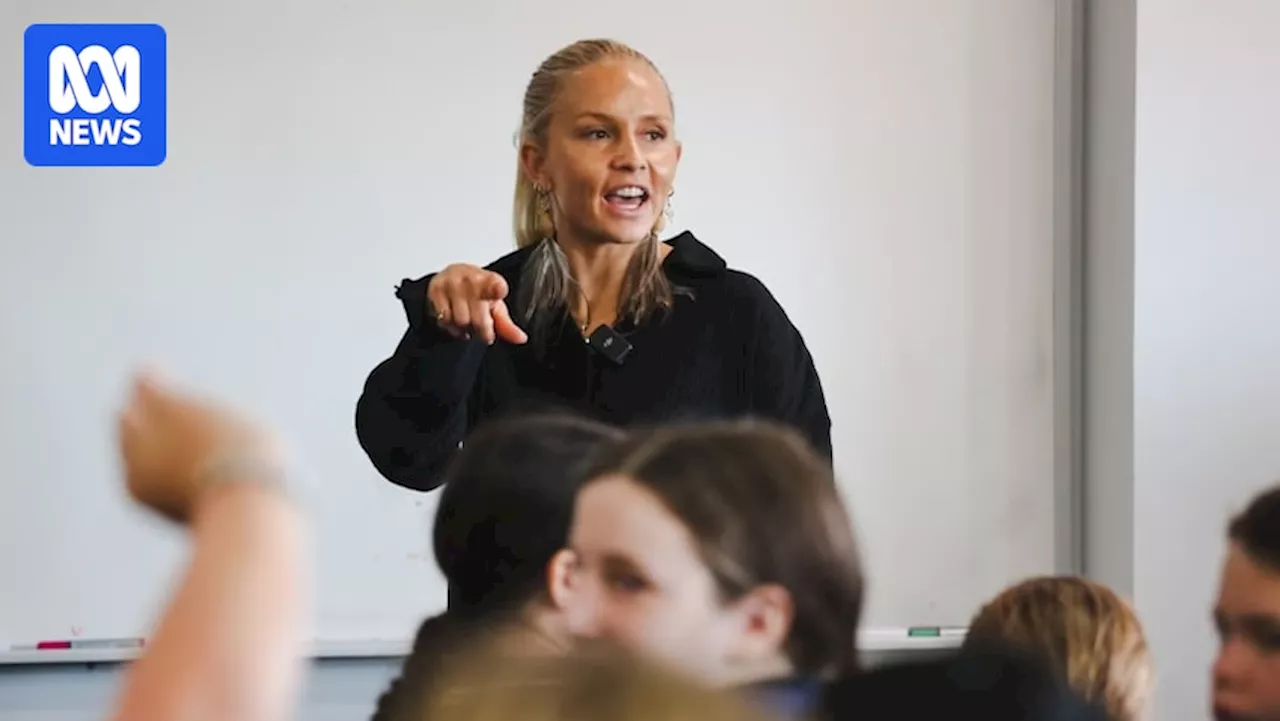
(544, 205)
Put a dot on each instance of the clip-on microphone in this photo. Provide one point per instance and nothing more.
(610, 344)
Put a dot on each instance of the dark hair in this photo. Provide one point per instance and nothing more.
(984, 681)
(504, 512)
(763, 508)
(1257, 529)
(507, 506)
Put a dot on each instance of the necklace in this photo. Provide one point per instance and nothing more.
(586, 318)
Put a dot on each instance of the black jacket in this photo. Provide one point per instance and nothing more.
(727, 349)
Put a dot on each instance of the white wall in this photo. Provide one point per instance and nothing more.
(1183, 339)
(1206, 351)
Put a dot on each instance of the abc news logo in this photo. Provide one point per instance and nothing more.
(95, 95)
(69, 89)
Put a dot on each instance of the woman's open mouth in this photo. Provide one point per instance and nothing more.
(627, 199)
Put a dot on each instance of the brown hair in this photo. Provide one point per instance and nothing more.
(763, 508)
(1084, 629)
(495, 687)
(1257, 529)
(547, 282)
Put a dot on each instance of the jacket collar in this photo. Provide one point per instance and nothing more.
(689, 256)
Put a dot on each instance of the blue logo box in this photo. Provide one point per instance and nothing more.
(94, 95)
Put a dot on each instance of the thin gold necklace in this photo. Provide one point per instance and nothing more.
(586, 321)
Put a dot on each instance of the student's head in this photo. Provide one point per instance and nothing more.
(504, 513)
(984, 681)
(723, 549)
(1084, 630)
(1246, 675)
(598, 118)
(489, 687)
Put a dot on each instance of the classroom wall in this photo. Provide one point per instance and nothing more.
(1108, 292)
(1182, 344)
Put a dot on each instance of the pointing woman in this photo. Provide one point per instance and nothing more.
(593, 313)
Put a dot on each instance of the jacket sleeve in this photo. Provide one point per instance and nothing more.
(413, 412)
(784, 384)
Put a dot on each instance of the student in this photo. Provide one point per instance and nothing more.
(227, 646)
(723, 550)
(984, 681)
(501, 528)
(1084, 630)
(1246, 675)
(572, 688)
(593, 313)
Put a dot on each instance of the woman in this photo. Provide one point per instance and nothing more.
(724, 550)
(1086, 631)
(593, 312)
(500, 531)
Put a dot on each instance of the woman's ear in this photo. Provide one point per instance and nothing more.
(765, 614)
(533, 164)
(560, 578)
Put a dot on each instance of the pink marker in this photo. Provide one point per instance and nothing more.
(87, 643)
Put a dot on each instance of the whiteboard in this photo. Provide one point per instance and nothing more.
(889, 168)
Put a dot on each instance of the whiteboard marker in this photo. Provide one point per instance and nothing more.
(935, 632)
(86, 643)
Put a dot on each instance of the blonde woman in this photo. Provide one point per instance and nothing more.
(594, 313)
(1084, 629)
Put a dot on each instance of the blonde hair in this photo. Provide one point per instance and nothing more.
(547, 281)
(1084, 629)
(571, 688)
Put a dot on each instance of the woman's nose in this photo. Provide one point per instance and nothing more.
(630, 158)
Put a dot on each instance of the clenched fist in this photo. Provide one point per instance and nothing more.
(168, 441)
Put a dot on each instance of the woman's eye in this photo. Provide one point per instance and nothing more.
(596, 134)
(627, 583)
(656, 135)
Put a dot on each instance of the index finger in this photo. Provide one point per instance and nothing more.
(506, 328)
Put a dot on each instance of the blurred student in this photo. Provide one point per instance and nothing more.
(1246, 675)
(500, 534)
(577, 687)
(722, 549)
(1084, 630)
(984, 681)
(228, 643)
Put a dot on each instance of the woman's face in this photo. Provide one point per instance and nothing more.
(610, 156)
(642, 584)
